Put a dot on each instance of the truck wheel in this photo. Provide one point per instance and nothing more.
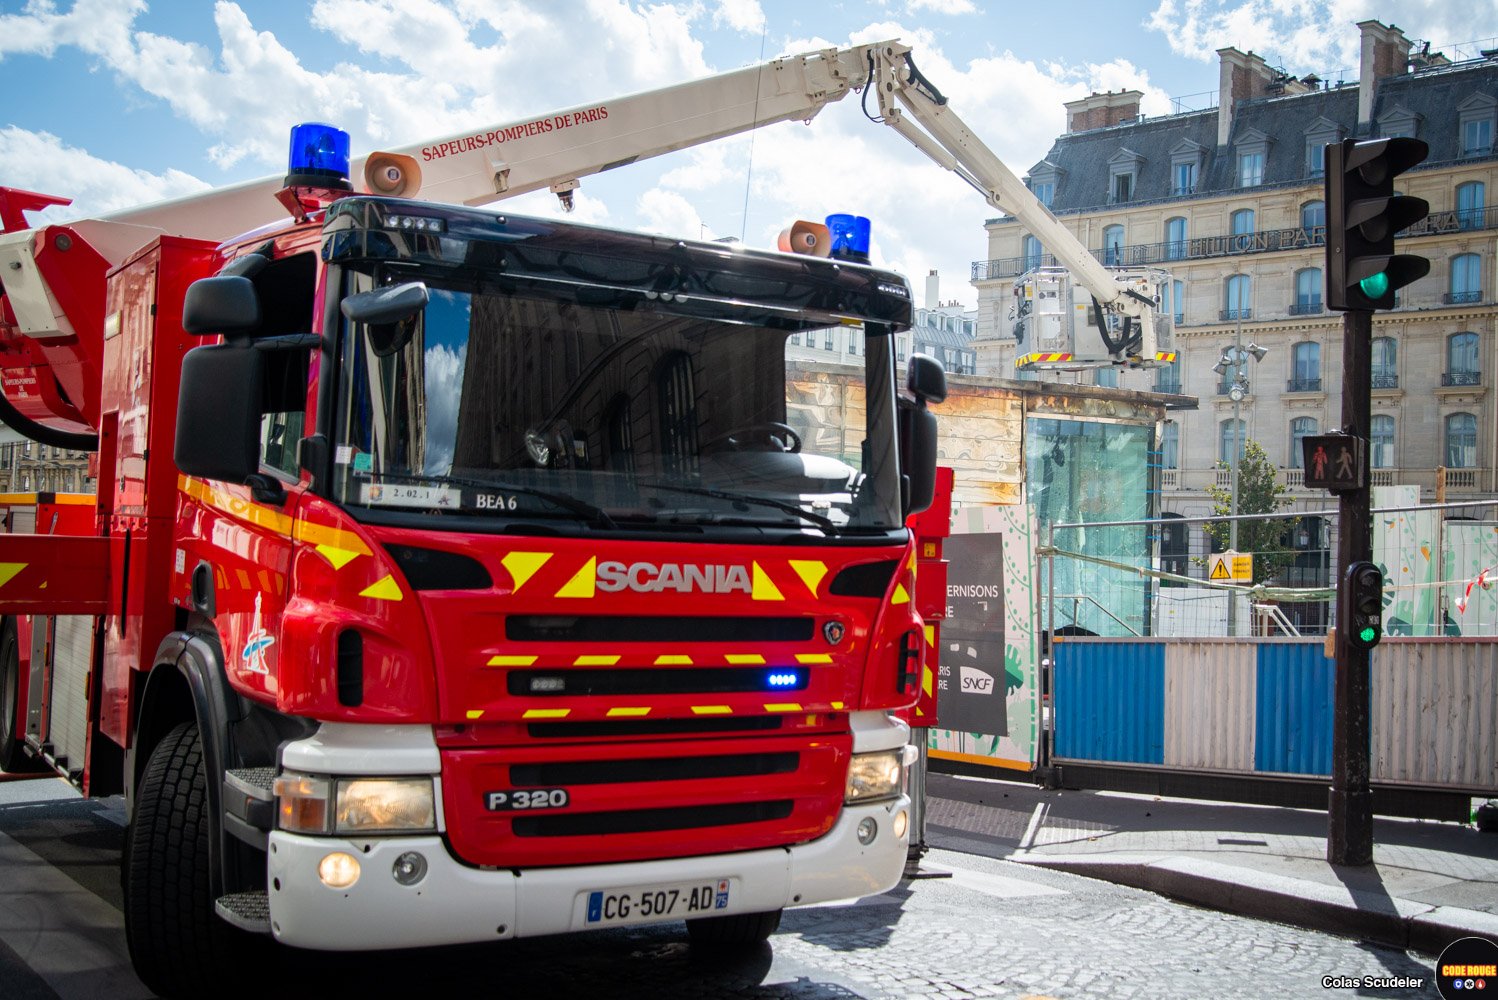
(12, 757)
(179, 946)
(740, 930)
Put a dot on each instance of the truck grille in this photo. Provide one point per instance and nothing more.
(652, 820)
(675, 628)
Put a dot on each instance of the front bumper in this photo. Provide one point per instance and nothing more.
(454, 903)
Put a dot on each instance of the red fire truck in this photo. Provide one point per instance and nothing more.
(490, 573)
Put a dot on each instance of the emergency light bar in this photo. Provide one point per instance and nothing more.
(319, 157)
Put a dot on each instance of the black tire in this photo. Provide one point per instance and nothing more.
(738, 931)
(179, 946)
(13, 757)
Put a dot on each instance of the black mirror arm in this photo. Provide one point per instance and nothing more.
(266, 489)
(289, 342)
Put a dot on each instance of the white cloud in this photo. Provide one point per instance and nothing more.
(941, 6)
(741, 15)
(40, 161)
(671, 214)
(1319, 36)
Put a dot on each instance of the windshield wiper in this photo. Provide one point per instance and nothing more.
(825, 523)
(573, 504)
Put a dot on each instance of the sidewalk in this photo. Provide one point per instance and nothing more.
(1430, 883)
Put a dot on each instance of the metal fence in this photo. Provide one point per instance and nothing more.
(1156, 577)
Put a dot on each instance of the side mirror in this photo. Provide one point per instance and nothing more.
(926, 379)
(218, 412)
(226, 304)
(389, 314)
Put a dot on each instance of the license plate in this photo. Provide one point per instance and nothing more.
(657, 902)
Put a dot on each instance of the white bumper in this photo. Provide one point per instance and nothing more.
(456, 903)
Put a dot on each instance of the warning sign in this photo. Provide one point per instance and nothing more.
(1230, 567)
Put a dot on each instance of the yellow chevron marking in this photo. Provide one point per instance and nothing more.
(475, 713)
(547, 713)
(930, 635)
(837, 706)
(711, 710)
(673, 660)
(595, 661)
(581, 584)
(244, 579)
(243, 510)
(927, 680)
(383, 589)
(9, 570)
(764, 587)
(813, 657)
(744, 658)
(338, 557)
(319, 535)
(523, 565)
(628, 712)
(788, 707)
(511, 661)
(811, 572)
(901, 596)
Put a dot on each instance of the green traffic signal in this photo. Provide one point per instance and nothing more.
(1375, 286)
(1369, 634)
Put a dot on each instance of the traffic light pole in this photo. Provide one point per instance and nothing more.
(1349, 838)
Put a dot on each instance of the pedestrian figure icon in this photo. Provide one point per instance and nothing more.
(1333, 462)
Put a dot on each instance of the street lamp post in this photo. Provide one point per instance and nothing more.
(1236, 358)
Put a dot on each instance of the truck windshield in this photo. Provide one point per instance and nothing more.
(528, 406)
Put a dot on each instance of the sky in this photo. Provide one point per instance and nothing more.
(118, 103)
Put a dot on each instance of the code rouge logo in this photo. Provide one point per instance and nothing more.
(1468, 967)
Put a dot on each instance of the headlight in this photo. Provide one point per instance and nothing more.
(384, 805)
(874, 776)
(355, 805)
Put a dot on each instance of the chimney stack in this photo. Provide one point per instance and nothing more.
(1240, 77)
(932, 283)
(1102, 110)
(1386, 52)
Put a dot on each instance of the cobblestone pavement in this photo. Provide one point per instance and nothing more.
(993, 929)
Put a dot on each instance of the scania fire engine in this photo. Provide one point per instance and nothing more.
(459, 576)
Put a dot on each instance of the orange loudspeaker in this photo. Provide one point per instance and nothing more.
(810, 238)
(392, 174)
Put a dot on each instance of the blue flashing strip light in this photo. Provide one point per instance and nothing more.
(784, 680)
(850, 236)
(318, 150)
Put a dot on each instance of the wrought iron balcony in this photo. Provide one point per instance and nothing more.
(1461, 378)
(1462, 298)
(1172, 385)
(1385, 381)
(1312, 308)
(1303, 385)
(1230, 314)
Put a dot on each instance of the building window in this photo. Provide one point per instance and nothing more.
(1381, 442)
(1238, 300)
(1183, 179)
(1313, 215)
(1300, 429)
(1243, 228)
(1307, 292)
(1250, 169)
(1463, 367)
(827, 344)
(1044, 191)
(1175, 550)
(1469, 205)
(1178, 300)
(1461, 441)
(1466, 279)
(677, 399)
(1476, 115)
(1175, 238)
(1113, 237)
(1170, 445)
(852, 343)
(1122, 189)
(1315, 158)
(795, 340)
(1033, 252)
(1385, 363)
(1228, 442)
(1307, 361)
(1168, 379)
(1107, 377)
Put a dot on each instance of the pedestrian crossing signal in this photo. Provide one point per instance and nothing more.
(1333, 462)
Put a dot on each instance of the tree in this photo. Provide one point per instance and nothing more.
(1259, 492)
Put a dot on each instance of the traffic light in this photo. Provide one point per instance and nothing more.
(1360, 606)
(1362, 215)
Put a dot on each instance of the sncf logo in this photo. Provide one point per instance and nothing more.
(649, 578)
